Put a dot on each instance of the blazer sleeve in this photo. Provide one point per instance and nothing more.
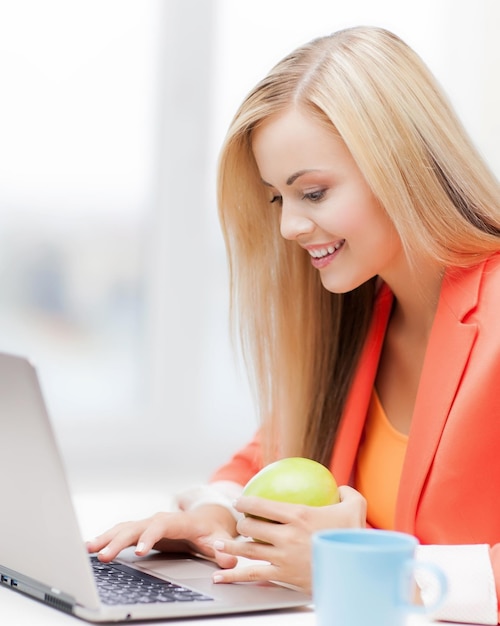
(243, 465)
(471, 586)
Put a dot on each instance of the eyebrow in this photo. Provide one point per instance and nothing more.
(291, 179)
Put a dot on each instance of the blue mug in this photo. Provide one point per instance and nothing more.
(366, 576)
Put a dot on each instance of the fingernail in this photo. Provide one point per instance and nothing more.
(218, 545)
(217, 578)
(104, 551)
(140, 547)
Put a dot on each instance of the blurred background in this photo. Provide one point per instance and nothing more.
(113, 275)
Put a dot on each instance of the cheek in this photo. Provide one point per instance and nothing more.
(354, 211)
(381, 244)
(352, 222)
(355, 219)
(366, 219)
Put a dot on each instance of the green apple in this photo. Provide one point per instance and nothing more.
(296, 480)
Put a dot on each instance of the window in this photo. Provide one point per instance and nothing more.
(112, 267)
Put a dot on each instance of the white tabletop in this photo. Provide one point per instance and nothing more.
(99, 510)
(18, 610)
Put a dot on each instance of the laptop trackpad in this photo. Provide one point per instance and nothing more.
(178, 568)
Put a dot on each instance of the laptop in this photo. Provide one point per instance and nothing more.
(42, 552)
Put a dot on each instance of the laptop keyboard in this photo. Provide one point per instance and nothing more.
(119, 584)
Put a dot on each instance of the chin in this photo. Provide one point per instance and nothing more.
(339, 287)
(335, 283)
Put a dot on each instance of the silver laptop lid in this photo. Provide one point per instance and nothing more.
(39, 533)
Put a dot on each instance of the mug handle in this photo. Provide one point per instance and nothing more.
(408, 585)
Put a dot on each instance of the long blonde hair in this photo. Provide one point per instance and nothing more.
(302, 343)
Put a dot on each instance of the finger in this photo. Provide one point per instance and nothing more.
(347, 493)
(115, 546)
(94, 545)
(254, 550)
(356, 504)
(258, 529)
(225, 561)
(110, 543)
(155, 533)
(97, 543)
(269, 510)
(253, 573)
(126, 535)
(263, 508)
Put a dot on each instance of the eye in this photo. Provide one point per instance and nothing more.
(276, 198)
(315, 196)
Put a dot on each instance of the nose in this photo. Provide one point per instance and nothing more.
(294, 223)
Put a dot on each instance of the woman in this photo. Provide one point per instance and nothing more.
(363, 232)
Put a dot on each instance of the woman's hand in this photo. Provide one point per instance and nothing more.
(191, 531)
(285, 545)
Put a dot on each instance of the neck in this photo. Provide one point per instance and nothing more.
(416, 295)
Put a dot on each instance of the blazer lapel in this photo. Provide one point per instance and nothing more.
(450, 343)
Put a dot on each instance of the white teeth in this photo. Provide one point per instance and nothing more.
(321, 252)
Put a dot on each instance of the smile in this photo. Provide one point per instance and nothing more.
(319, 253)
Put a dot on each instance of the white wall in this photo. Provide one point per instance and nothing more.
(112, 267)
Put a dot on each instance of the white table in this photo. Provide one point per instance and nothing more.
(96, 512)
(18, 610)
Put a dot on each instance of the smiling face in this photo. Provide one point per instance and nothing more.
(326, 205)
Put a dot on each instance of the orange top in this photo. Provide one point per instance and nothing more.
(379, 464)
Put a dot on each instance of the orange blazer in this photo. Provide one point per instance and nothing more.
(450, 484)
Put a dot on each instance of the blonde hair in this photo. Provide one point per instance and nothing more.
(302, 343)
